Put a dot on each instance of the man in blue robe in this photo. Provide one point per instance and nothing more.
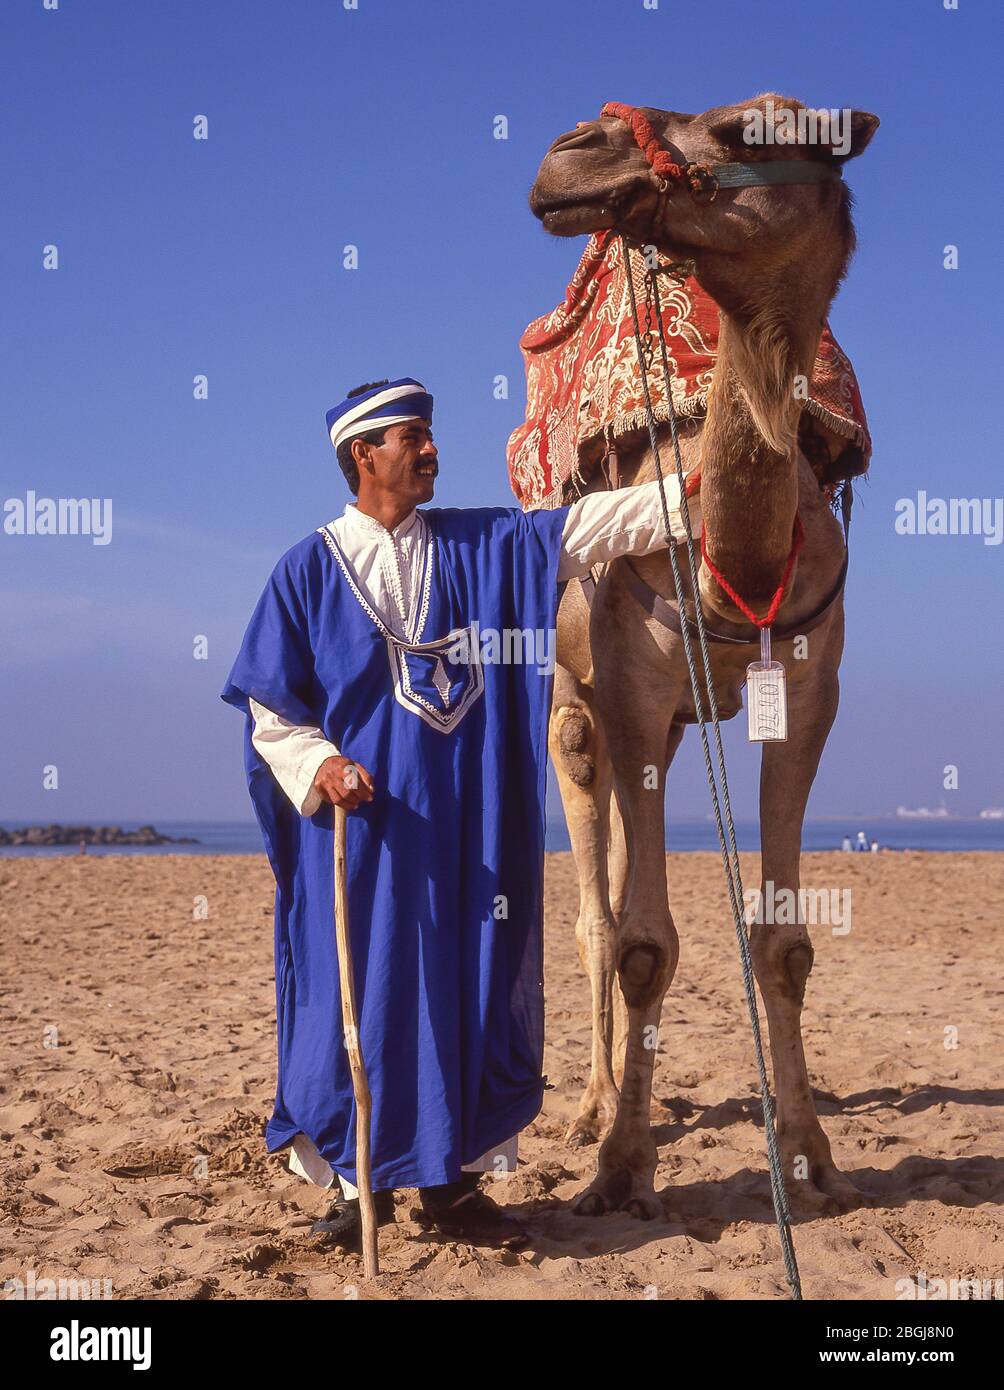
(366, 681)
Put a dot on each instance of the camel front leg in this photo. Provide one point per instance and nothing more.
(648, 946)
(617, 862)
(782, 952)
(580, 758)
(617, 870)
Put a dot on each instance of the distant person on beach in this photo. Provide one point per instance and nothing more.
(862, 844)
(874, 847)
(847, 846)
(368, 681)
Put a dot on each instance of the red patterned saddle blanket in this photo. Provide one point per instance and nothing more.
(583, 385)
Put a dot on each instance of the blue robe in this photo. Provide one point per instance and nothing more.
(445, 865)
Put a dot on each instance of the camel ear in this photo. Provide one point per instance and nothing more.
(863, 126)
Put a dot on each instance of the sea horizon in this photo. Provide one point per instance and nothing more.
(948, 834)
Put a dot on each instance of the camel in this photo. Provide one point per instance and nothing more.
(772, 258)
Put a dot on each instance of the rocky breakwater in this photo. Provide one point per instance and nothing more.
(41, 835)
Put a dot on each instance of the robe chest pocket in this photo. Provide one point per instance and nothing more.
(439, 681)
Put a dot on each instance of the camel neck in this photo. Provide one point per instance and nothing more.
(749, 472)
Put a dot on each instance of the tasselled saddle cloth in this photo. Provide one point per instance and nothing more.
(584, 385)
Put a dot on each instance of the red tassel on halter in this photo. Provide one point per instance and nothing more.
(798, 536)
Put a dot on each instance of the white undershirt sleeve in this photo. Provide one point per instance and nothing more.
(294, 752)
(627, 521)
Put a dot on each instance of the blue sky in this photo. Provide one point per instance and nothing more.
(374, 127)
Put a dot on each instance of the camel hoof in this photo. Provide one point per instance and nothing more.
(828, 1192)
(839, 1188)
(806, 1199)
(580, 1136)
(619, 1190)
(589, 1204)
(644, 1208)
(592, 1122)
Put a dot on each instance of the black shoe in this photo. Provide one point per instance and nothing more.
(342, 1225)
(461, 1210)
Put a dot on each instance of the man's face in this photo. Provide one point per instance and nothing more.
(404, 466)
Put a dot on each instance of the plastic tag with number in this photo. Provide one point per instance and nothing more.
(766, 697)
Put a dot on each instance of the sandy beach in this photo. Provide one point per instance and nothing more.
(137, 1058)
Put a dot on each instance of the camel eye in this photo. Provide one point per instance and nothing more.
(729, 128)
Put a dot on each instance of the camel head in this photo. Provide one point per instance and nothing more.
(597, 176)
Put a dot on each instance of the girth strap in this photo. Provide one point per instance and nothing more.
(668, 614)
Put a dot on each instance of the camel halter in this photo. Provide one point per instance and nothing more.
(704, 180)
(720, 801)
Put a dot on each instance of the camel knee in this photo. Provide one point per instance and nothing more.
(798, 967)
(576, 744)
(645, 970)
(782, 966)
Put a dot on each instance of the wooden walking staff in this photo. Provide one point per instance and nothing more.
(350, 1028)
